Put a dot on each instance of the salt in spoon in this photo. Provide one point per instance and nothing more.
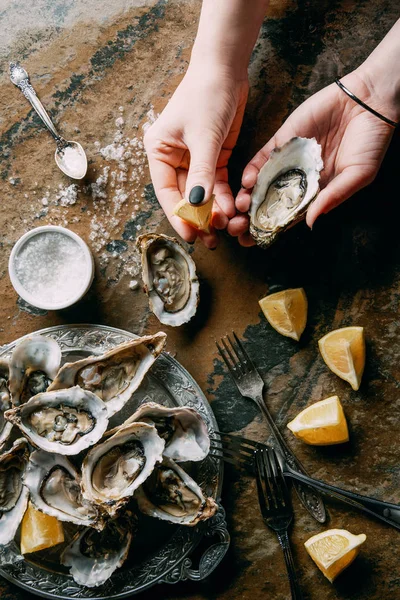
(69, 156)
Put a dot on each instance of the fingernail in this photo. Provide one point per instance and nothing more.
(197, 194)
(191, 243)
(213, 248)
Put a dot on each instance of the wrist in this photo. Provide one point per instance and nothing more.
(219, 57)
(381, 88)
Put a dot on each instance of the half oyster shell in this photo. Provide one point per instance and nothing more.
(63, 421)
(33, 365)
(171, 495)
(54, 486)
(13, 493)
(183, 430)
(114, 469)
(286, 186)
(169, 278)
(93, 556)
(5, 401)
(114, 375)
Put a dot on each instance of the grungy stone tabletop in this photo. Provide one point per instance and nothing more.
(105, 70)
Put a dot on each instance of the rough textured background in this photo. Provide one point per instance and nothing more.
(87, 59)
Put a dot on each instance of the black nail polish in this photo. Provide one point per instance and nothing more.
(213, 248)
(190, 243)
(197, 194)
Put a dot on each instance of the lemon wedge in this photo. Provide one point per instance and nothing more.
(39, 531)
(197, 216)
(333, 550)
(286, 311)
(343, 350)
(321, 424)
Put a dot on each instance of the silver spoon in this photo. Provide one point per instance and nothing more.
(69, 156)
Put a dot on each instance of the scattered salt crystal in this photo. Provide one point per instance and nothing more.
(119, 122)
(45, 201)
(67, 196)
(133, 284)
(121, 109)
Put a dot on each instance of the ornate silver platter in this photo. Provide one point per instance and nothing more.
(160, 558)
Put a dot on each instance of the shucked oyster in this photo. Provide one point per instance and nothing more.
(94, 556)
(114, 375)
(5, 401)
(13, 493)
(54, 486)
(63, 421)
(113, 470)
(183, 430)
(286, 186)
(170, 494)
(169, 277)
(33, 365)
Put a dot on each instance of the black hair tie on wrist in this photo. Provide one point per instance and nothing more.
(361, 103)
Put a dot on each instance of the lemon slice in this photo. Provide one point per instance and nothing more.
(286, 311)
(39, 531)
(333, 550)
(197, 216)
(343, 350)
(321, 424)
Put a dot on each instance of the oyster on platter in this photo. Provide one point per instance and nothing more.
(5, 401)
(54, 487)
(286, 186)
(63, 421)
(33, 365)
(114, 469)
(172, 495)
(13, 493)
(114, 375)
(183, 430)
(169, 278)
(93, 556)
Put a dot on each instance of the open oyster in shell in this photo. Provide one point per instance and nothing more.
(54, 487)
(114, 469)
(93, 556)
(114, 375)
(5, 401)
(183, 430)
(33, 365)
(63, 421)
(13, 493)
(172, 495)
(286, 186)
(169, 278)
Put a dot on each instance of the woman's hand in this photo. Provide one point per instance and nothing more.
(191, 142)
(353, 141)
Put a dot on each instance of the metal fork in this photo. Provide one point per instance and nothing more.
(250, 385)
(276, 507)
(240, 452)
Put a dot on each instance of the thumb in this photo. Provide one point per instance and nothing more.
(201, 175)
(344, 185)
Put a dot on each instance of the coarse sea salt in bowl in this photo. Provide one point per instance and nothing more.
(51, 267)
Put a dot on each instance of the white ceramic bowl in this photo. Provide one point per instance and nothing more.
(34, 300)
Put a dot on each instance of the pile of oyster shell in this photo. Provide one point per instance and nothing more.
(73, 467)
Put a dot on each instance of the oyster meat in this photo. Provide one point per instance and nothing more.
(5, 401)
(63, 421)
(183, 430)
(13, 493)
(169, 277)
(286, 186)
(172, 495)
(114, 469)
(93, 556)
(114, 375)
(33, 365)
(54, 486)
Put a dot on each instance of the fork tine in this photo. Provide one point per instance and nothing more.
(226, 360)
(243, 460)
(275, 479)
(260, 488)
(239, 362)
(232, 355)
(280, 478)
(229, 438)
(269, 481)
(246, 358)
(236, 444)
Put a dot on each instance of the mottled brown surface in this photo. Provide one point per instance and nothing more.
(86, 60)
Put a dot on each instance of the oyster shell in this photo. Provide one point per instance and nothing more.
(5, 402)
(93, 556)
(54, 486)
(33, 365)
(183, 430)
(170, 494)
(286, 186)
(114, 469)
(13, 493)
(169, 277)
(114, 375)
(63, 421)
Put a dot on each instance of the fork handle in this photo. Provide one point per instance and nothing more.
(308, 496)
(287, 553)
